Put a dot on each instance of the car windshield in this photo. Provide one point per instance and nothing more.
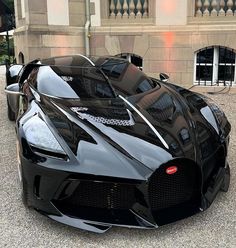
(72, 82)
(126, 78)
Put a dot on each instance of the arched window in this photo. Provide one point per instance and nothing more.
(215, 66)
(132, 58)
(21, 58)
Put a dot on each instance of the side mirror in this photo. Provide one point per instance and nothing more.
(164, 77)
(12, 73)
(13, 89)
(13, 94)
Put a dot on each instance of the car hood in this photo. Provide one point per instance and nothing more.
(131, 126)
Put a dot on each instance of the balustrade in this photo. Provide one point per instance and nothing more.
(215, 8)
(128, 9)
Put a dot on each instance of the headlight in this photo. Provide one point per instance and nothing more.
(210, 117)
(39, 135)
(218, 113)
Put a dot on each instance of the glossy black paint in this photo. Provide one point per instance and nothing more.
(113, 148)
(12, 74)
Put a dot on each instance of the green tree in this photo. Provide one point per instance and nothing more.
(4, 51)
(3, 47)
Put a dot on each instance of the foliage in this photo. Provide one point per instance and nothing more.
(4, 50)
(3, 59)
(3, 47)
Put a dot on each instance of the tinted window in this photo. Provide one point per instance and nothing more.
(226, 56)
(226, 73)
(145, 85)
(72, 82)
(205, 56)
(163, 108)
(126, 78)
(204, 73)
(114, 68)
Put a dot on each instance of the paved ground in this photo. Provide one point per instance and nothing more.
(21, 227)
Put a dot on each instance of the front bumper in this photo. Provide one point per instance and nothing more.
(117, 201)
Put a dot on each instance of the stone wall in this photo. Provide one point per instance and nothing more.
(35, 38)
(169, 50)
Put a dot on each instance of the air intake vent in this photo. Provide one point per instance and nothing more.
(103, 195)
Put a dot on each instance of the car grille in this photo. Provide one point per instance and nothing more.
(166, 190)
(103, 195)
(168, 197)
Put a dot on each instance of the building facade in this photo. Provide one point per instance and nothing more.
(191, 40)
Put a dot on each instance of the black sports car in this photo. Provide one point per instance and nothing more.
(101, 144)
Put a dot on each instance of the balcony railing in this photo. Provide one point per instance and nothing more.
(128, 9)
(215, 8)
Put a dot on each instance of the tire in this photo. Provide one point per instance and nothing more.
(11, 115)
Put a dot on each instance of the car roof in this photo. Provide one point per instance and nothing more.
(79, 60)
(68, 60)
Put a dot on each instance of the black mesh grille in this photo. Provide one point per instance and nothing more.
(103, 195)
(110, 113)
(166, 190)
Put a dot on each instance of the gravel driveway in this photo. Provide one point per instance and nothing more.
(21, 227)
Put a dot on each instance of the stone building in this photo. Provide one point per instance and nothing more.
(192, 41)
